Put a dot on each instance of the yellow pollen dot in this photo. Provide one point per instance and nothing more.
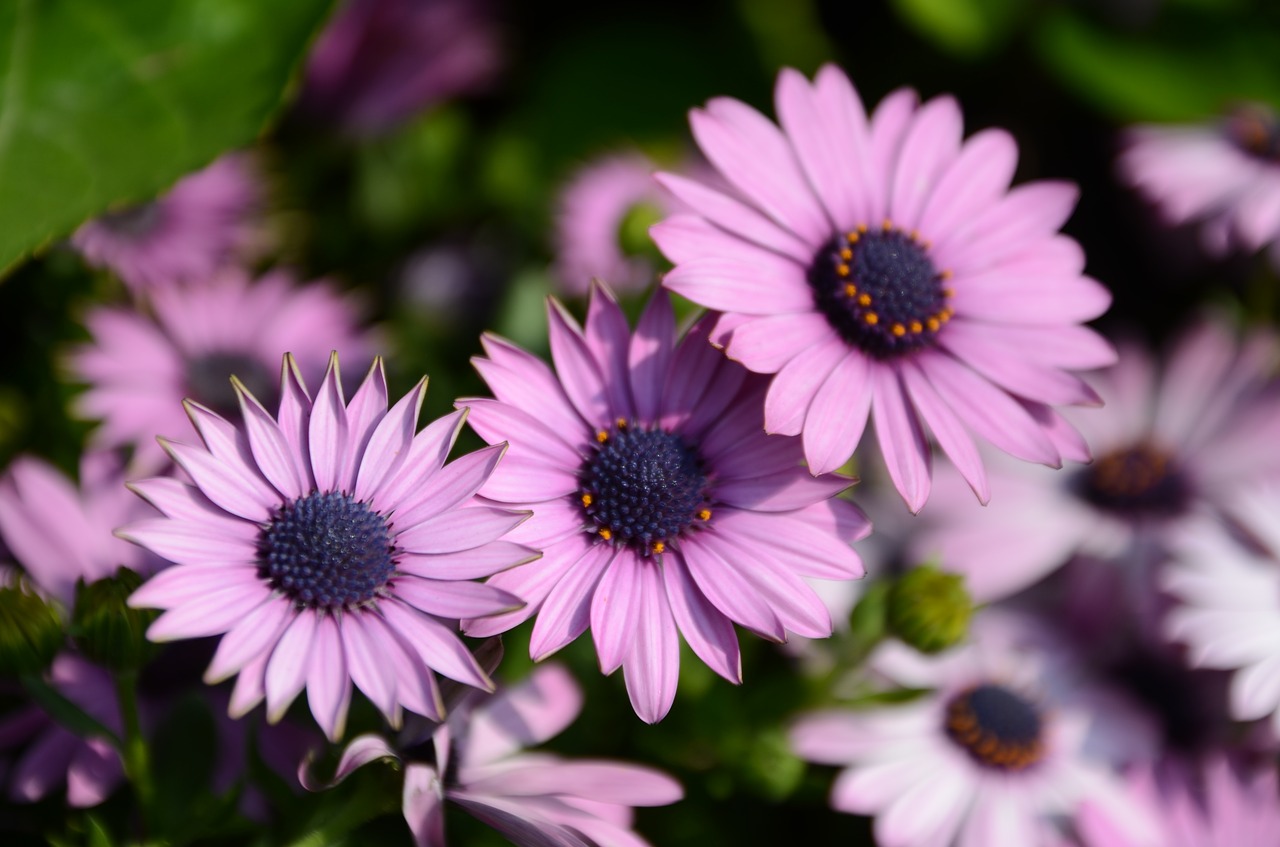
(946, 274)
(915, 235)
(899, 330)
(846, 254)
(916, 326)
(852, 237)
(862, 227)
(864, 299)
(704, 514)
(659, 546)
(605, 533)
(842, 269)
(850, 289)
(948, 292)
(621, 422)
(586, 500)
(887, 225)
(871, 318)
(602, 436)
(933, 324)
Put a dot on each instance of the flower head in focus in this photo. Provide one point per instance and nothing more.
(328, 544)
(1224, 175)
(662, 507)
(185, 235)
(881, 268)
(476, 760)
(140, 366)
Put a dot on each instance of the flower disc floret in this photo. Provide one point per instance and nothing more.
(998, 727)
(642, 486)
(327, 550)
(1136, 482)
(880, 290)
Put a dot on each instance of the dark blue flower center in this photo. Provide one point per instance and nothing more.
(209, 381)
(133, 221)
(326, 550)
(1255, 131)
(1141, 481)
(997, 727)
(880, 290)
(643, 487)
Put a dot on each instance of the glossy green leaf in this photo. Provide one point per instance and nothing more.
(110, 101)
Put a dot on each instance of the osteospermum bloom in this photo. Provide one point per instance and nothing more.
(1172, 439)
(1002, 750)
(880, 267)
(185, 235)
(328, 544)
(592, 209)
(1223, 174)
(140, 366)
(1210, 806)
(1229, 600)
(661, 505)
(476, 761)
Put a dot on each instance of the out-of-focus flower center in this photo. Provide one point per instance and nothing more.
(997, 727)
(1141, 481)
(1255, 131)
(209, 381)
(643, 487)
(880, 290)
(133, 221)
(326, 550)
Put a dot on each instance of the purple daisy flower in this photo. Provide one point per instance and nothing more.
(881, 268)
(592, 208)
(183, 236)
(1212, 806)
(140, 367)
(90, 767)
(380, 62)
(328, 544)
(1225, 175)
(1003, 750)
(1172, 440)
(661, 505)
(1229, 595)
(534, 799)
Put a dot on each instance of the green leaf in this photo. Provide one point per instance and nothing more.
(109, 101)
(1190, 68)
(963, 27)
(66, 712)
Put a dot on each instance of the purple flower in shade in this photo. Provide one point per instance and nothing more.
(61, 533)
(659, 502)
(880, 267)
(1002, 750)
(593, 207)
(140, 367)
(1170, 441)
(534, 799)
(183, 236)
(1229, 595)
(1211, 806)
(90, 767)
(328, 544)
(1225, 175)
(380, 62)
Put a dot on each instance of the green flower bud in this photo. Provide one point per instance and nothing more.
(929, 609)
(105, 629)
(31, 632)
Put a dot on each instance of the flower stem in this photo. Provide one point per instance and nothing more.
(137, 762)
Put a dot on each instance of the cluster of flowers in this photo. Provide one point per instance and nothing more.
(657, 484)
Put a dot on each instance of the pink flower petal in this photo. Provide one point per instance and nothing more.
(328, 682)
(615, 611)
(906, 453)
(534, 710)
(838, 414)
(194, 544)
(649, 356)
(286, 670)
(455, 483)
(706, 630)
(724, 586)
(365, 645)
(606, 333)
(328, 432)
(759, 286)
(459, 529)
(271, 450)
(437, 646)
(977, 177)
(948, 430)
(366, 409)
(524, 381)
(232, 489)
(792, 391)
(766, 344)
(675, 235)
(424, 806)
(930, 145)
(478, 562)
(211, 614)
(577, 367)
(455, 600)
(652, 666)
(566, 612)
(826, 146)
(390, 443)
